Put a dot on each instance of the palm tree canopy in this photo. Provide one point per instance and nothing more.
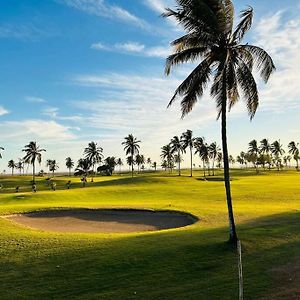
(33, 153)
(215, 45)
(166, 153)
(69, 163)
(188, 139)
(213, 150)
(265, 146)
(93, 153)
(293, 148)
(253, 147)
(131, 145)
(84, 165)
(276, 148)
(177, 145)
(11, 164)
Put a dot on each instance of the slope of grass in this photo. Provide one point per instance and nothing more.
(194, 262)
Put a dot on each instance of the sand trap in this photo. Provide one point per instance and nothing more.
(103, 220)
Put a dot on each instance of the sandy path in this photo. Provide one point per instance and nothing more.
(105, 221)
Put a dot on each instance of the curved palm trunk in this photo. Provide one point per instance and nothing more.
(191, 161)
(232, 230)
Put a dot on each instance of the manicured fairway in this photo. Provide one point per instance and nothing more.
(193, 262)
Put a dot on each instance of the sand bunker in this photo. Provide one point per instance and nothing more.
(103, 220)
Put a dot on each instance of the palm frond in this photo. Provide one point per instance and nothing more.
(248, 86)
(244, 25)
(188, 55)
(262, 59)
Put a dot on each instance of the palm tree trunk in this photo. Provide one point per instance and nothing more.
(33, 172)
(204, 169)
(69, 172)
(213, 167)
(232, 231)
(191, 161)
(179, 164)
(131, 166)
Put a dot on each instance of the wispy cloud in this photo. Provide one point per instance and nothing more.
(22, 31)
(103, 9)
(3, 111)
(35, 99)
(134, 48)
(282, 40)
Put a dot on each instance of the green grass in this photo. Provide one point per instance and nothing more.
(194, 262)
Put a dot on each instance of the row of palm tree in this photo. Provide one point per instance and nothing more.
(266, 153)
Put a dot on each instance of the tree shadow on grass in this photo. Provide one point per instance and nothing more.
(190, 264)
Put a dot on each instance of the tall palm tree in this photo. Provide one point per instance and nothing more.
(94, 154)
(254, 151)
(294, 150)
(119, 163)
(213, 43)
(131, 147)
(33, 154)
(20, 165)
(188, 142)
(203, 151)
(69, 164)
(53, 166)
(177, 147)
(265, 148)
(167, 154)
(11, 164)
(213, 150)
(277, 150)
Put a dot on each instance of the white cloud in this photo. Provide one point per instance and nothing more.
(35, 99)
(282, 40)
(103, 9)
(3, 111)
(134, 48)
(41, 130)
(22, 31)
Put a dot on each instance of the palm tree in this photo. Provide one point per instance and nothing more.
(213, 150)
(119, 163)
(53, 166)
(254, 151)
(138, 161)
(130, 162)
(94, 154)
(83, 167)
(294, 150)
(188, 142)
(177, 147)
(277, 150)
(167, 154)
(149, 162)
(33, 154)
(69, 164)
(211, 39)
(20, 165)
(11, 164)
(265, 148)
(202, 150)
(1, 148)
(154, 165)
(131, 148)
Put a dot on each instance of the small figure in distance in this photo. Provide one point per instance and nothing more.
(17, 189)
(34, 187)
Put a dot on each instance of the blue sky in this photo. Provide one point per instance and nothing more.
(73, 71)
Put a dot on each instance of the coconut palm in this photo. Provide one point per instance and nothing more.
(188, 142)
(94, 154)
(216, 47)
(203, 151)
(265, 148)
(294, 150)
(11, 164)
(130, 162)
(69, 164)
(254, 151)
(139, 160)
(119, 163)
(213, 150)
(154, 165)
(53, 166)
(33, 154)
(277, 150)
(83, 167)
(131, 148)
(177, 147)
(167, 155)
(20, 165)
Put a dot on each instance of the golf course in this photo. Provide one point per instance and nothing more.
(193, 262)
